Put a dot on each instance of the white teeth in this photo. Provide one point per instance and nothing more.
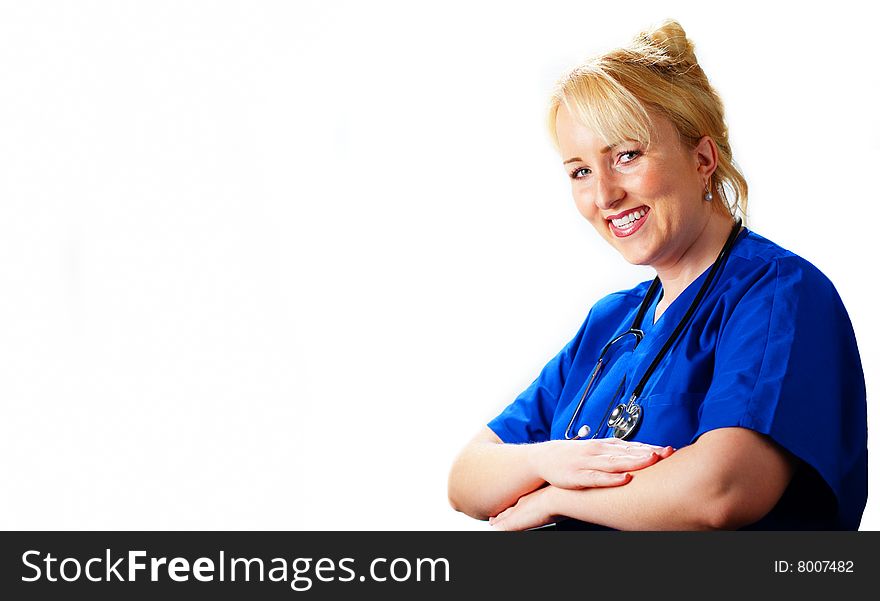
(627, 219)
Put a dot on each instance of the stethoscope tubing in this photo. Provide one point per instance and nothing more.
(633, 408)
(716, 266)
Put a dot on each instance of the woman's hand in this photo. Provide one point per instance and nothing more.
(530, 511)
(488, 476)
(594, 462)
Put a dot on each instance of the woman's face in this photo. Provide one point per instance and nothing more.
(646, 202)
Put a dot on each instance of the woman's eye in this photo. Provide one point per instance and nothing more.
(580, 172)
(632, 153)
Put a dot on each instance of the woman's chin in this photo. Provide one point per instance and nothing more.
(634, 255)
(636, 260)
(635, 249)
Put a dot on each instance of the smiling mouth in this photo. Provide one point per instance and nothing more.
(628, 223)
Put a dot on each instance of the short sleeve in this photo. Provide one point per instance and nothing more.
(787, 366)
(529, 417)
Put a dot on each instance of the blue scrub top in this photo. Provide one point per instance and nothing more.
(770, 348)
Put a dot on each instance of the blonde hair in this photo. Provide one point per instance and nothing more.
(612, 94)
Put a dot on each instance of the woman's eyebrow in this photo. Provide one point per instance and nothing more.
(603, 151)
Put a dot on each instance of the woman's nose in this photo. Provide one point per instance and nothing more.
(609, 192)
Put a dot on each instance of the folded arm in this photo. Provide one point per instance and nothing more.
(729, 478)
(489, 476)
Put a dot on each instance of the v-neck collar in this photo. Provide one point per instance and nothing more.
(689, 292)
(680, 304)
(657, 331)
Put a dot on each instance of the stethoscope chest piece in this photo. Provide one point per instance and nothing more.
(625, 420)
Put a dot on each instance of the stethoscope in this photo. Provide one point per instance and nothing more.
(625, 419)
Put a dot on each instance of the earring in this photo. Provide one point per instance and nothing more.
(708, 195)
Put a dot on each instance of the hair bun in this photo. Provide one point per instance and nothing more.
(666, 46)
(613, 94)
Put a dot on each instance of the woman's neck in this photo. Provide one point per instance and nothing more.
(695, 259)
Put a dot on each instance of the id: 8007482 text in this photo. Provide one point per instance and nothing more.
(780, 566)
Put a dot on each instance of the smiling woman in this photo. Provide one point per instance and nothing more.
(716, 396)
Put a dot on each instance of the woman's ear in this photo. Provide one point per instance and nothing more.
(706, 155)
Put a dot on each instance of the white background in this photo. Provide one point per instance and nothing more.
(268, 265)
